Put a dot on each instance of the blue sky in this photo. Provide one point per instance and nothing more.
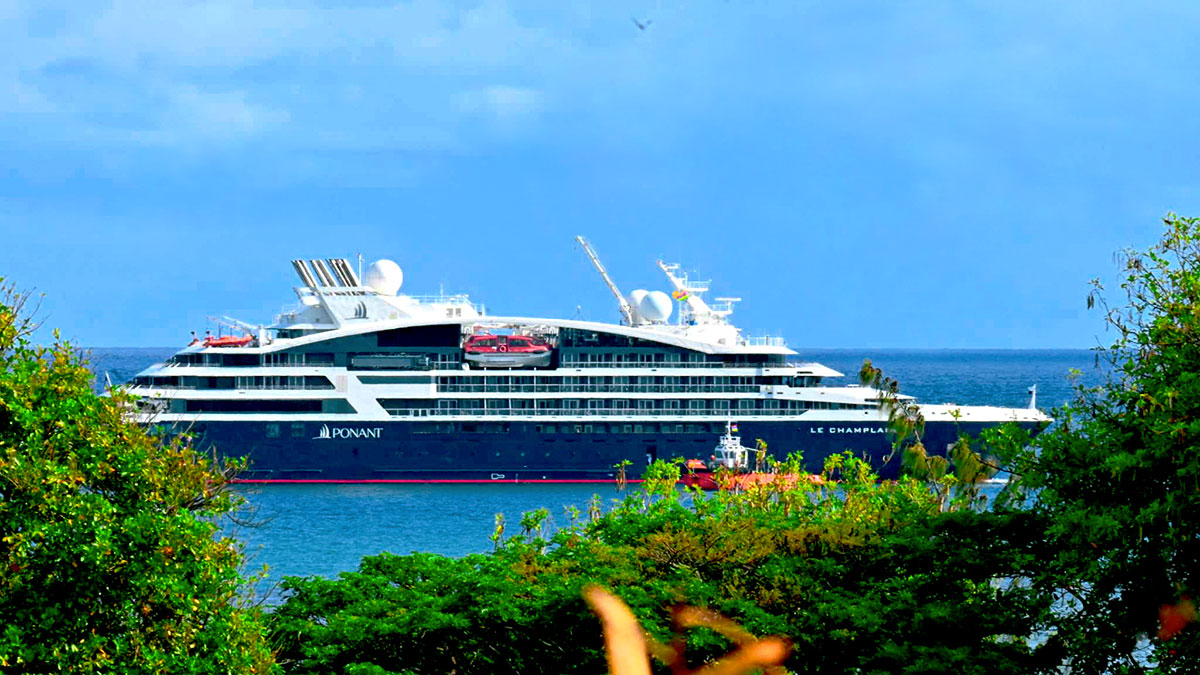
(863, 174)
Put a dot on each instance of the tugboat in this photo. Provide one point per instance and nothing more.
(732, 459)
(507, 351)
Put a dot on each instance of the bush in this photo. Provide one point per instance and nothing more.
(1118, 479)
(108, 555)
(871, 577)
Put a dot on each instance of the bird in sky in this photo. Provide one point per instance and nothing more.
(641, 24)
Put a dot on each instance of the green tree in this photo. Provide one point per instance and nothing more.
(867, 577)
(109, 554)
(1118, 478)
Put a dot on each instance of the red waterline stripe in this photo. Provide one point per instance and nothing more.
(263, 481)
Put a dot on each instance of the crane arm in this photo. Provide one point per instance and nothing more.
(626, 310)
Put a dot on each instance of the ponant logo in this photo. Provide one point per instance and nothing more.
(347, 432)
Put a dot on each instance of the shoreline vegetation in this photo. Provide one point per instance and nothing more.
(1086, 561)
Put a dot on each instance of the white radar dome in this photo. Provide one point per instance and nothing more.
(635, 303)
(656, 306)
(635, 299)
(385, 277)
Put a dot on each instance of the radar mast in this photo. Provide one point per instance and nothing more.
(695, 310)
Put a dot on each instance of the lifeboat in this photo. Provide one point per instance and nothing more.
(507, 351)
(228, 341)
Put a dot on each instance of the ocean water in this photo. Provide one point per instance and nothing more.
(325, 529)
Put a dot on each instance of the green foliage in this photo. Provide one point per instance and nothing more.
(108, 555)
(1118, 478)
(864, 575)
(906, 424)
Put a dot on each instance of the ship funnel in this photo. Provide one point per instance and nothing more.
(306, 277)
(338, 276)
(345, 272)
(341, 269)
(322, 272)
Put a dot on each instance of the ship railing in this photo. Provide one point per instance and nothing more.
(598, 388)
(654, 364)
(458, 299)
(586, 412)
(765, 341)
(288, 387)
(260, 387)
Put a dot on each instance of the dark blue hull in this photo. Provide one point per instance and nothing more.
(403, 451)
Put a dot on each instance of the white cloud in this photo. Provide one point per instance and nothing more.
(506, 104)
(218, 114)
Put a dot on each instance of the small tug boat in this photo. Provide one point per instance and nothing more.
(728, 468)
(507, 351)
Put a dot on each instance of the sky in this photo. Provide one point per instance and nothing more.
(863, 174)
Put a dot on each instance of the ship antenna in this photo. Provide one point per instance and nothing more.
(626, 310)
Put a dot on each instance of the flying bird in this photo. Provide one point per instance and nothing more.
(641, 24)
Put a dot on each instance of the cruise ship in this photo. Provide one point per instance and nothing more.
(362, 383)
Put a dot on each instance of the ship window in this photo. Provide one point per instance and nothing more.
(297, 429)
(252, 406)
(447, 335)
(389, 362)
(383, 379)
(272, 430)
(241, 360)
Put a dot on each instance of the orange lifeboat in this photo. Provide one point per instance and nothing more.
(228, 341)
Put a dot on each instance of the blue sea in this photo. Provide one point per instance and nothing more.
(325, 529)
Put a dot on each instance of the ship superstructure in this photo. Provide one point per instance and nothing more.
(363, 383)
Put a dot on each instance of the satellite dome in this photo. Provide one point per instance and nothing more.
(385, 277)
(655, 306)
(635, 303)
